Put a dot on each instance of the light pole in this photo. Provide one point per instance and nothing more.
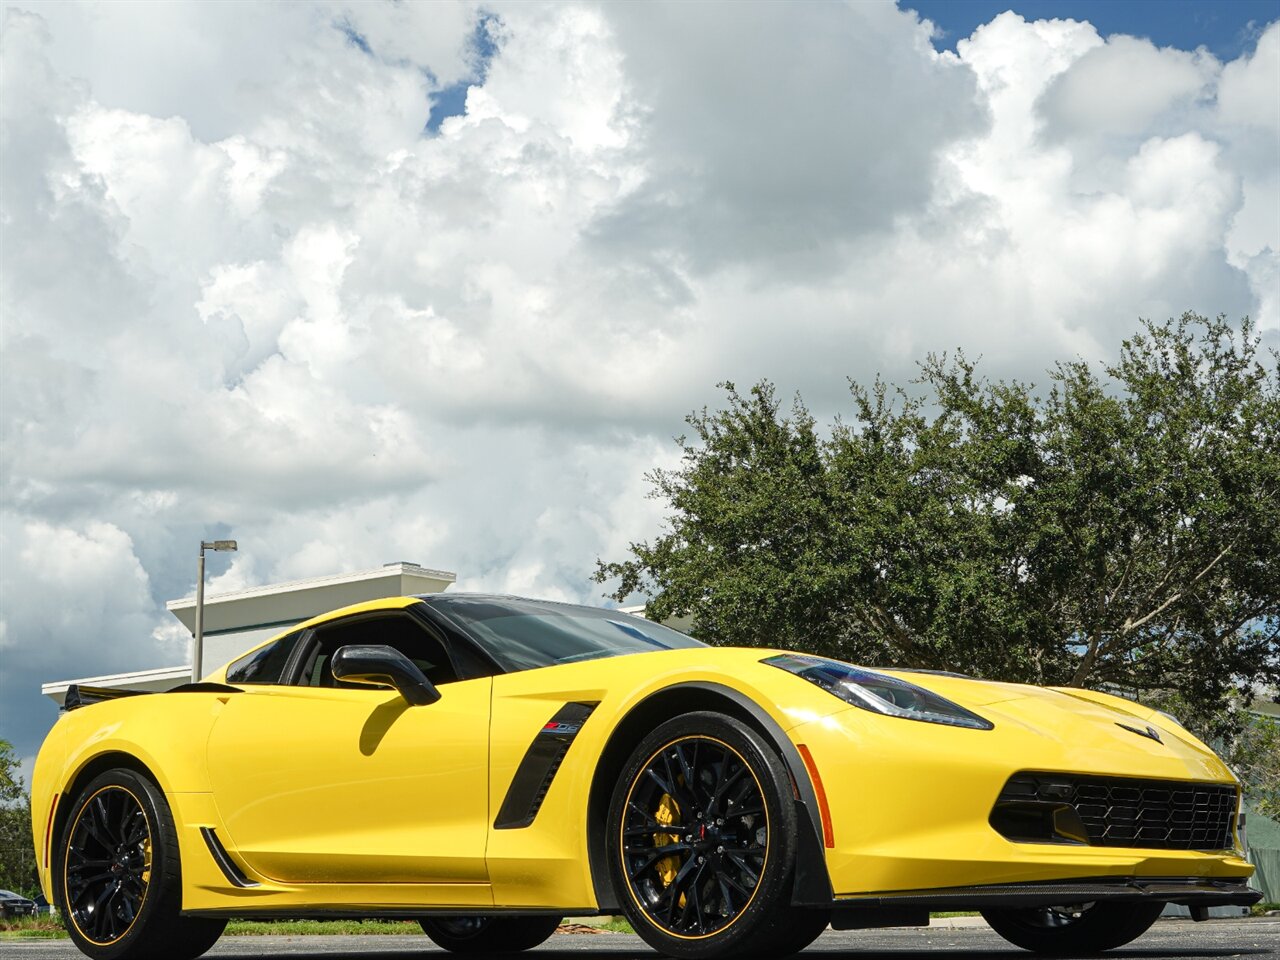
(198, 653)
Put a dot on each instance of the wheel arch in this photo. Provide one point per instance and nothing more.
(98, 764)
(812, 884)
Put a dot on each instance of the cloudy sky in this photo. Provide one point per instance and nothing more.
(359, 282)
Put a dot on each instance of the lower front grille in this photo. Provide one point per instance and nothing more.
(1116, 812)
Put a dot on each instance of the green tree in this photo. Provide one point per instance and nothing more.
(1120, 530)
(17, 852)
(1255, 758)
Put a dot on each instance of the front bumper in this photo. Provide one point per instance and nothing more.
(910, 806)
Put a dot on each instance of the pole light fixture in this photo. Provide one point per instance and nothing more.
(197, 654)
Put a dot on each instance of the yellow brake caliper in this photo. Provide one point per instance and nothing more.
(146, 861)
(668, 813)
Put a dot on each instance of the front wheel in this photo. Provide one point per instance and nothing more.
(488, 935)
(117, 878)
(701, 842)
(1077, 929)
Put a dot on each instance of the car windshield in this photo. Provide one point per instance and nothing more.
(526, 634)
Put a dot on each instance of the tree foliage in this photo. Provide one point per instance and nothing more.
(1256, 759)
(17, 852)
(1120, 530)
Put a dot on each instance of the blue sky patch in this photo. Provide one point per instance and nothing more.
(1227, 28)
(354, 36)
(451, 101)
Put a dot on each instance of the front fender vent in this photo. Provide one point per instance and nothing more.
(539, 765)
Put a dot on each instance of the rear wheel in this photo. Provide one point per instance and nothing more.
(702, 842)
(488, 935)
(117, 878)
(1076, 929)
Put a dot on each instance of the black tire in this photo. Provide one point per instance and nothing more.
(794, 929)
(1082, 929)
(488, 935)
(701, 842)
(117, 879)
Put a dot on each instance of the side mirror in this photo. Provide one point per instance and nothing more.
(384, 666)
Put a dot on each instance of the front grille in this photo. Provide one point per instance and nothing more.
(1121, 811)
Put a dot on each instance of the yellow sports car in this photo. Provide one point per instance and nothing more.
(489, 765)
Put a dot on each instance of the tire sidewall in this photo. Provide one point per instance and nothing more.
(497, 935)
(1104, 926)
(162, 862)
(774, 890)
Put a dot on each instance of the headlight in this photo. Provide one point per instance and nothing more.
(877, 692)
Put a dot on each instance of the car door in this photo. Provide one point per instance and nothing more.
(317, 781)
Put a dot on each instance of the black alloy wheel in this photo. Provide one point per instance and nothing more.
(117, 878)
(488, 935)
(702, 842)
(695, 836)
(1076, 929)
(108, 864)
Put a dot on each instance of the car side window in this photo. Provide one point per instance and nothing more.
(264, 665)
(398, 631)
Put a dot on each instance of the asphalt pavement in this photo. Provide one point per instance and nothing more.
(1167, 940)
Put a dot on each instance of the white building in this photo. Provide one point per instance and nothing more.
(234, 622)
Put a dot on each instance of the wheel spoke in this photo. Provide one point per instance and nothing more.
(138, 832)
(681, 791)
(663, 785)
(84, 863)
(692, 905)
(126, 907)
(653, 858)
(726, 895)
(127, 814)
(82, 882)
(662, 849)
(726, 785)
(644, 814)
(98, 912)
(737, 857)
(650, 827)
(97, 825)
(686, 770)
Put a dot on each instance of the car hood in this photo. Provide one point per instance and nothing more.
(1079, 720)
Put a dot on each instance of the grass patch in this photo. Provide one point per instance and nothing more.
(32, 928)
(956, 913)
(617, 925)
(1262, 909)
(310, 928)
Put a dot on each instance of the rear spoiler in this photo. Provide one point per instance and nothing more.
(82, 695)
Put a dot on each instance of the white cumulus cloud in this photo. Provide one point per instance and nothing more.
(246, 291)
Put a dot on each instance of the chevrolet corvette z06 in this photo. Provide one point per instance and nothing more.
(488, 765)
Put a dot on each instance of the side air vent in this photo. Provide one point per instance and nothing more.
(223, 859)
(1116, 812)
(539, 765)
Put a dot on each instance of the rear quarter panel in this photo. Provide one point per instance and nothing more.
(165, 733)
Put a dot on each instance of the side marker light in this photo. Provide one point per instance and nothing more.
(824, 809)
(48, 830)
